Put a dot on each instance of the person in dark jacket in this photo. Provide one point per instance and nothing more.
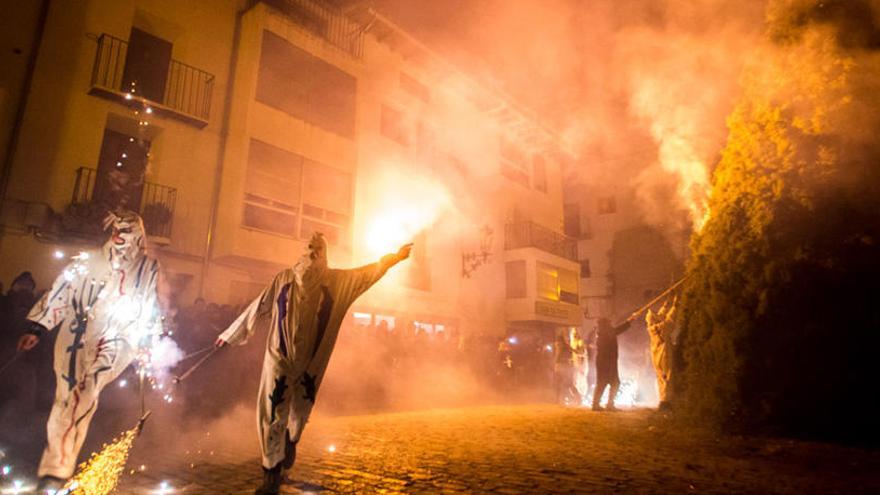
(606, 362)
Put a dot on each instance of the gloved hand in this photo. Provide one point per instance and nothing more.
(403, 252)
(27, 342)
(31, 337)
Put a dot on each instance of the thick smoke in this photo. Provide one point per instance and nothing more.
(638, 90)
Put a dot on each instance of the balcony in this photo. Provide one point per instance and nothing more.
(187, 90)
(325, 21)
(85, 215)
(529, 234)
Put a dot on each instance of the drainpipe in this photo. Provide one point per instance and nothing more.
(224, 134)
(22, 101)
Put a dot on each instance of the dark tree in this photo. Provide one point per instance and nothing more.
(781, 312)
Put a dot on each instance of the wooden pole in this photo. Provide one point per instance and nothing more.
(654, 301)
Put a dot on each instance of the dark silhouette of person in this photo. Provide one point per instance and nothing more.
(606, 362)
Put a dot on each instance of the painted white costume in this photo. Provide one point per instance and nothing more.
(103, 305)
(661, 326)
(302, 310)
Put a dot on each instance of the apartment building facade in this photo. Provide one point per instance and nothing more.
(624, 259)
(238, 128)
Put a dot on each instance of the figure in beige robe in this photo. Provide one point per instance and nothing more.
(302, 310)
(661, 327)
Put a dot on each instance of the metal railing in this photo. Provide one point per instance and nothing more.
(156, 206)
(325, 21)
(530, 234)
(187, 88)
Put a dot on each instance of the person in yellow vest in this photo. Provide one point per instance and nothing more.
(302, 310)
(661, 328)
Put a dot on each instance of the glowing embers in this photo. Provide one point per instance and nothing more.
(627, 395)
(100, 474)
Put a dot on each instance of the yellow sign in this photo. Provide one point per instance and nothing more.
(551, 309)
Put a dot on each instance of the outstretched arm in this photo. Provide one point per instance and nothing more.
(364, 277)
(243, 327)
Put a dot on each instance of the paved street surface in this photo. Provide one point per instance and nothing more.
(520, 449)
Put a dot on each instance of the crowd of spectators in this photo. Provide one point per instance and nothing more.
(375, 367)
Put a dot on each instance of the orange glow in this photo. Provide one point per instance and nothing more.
(400, 206)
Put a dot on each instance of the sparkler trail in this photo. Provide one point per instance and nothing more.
(100, 474)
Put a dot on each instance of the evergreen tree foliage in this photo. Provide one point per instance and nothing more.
(781, 311)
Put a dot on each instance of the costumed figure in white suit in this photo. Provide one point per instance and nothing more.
(104, 309)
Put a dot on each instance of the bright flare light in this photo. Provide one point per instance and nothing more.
(58, 254)
(331, 448)
(400, 207)
(164, 488)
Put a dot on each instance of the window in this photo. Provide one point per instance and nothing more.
(548, 282)
(513, 162)
(585, 269)
(568, 286)
(362, 319)
(515, 275)
(386, 322)
(539, 169)
(146, 65)
(607, 204)
(288, 194)
(326, 201)
(272, 189)
(572, 219)
(122, 166)
(415, 88)
(586, 228)
(557, 284)
(421, 326)
(306, 87)
(393, 126)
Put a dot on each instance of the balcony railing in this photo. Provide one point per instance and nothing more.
(530, 234)
(187, 93)
(325, 21)
(156, 205)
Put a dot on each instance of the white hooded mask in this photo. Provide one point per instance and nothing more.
(127, 241)
(312, 264)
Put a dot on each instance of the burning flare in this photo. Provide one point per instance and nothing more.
(401, 206)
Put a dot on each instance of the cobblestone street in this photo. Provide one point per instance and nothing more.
(522, 449)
